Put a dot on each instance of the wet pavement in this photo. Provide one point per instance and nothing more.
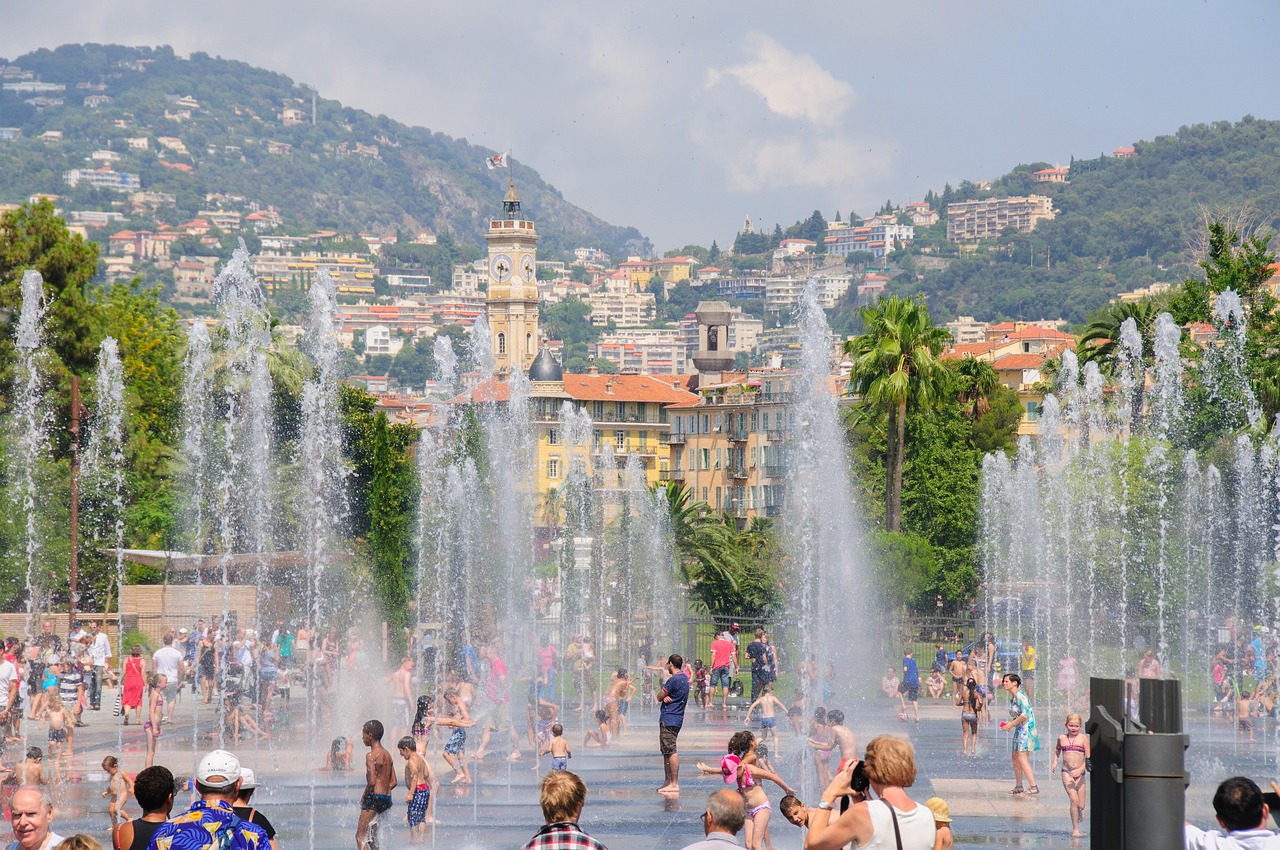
(314, 809)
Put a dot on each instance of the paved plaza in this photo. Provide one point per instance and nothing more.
(314, 809)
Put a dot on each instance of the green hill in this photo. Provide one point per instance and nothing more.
(1121, 224)
(351, 172)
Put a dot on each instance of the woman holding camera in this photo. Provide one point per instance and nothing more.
(881, 815)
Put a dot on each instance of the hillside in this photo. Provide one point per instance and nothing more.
(236, 130)
(1121, 224)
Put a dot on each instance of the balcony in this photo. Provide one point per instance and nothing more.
(738, 435)
(773, 510)
(671, 475)
(736, 472)
(775, 435)
(737, 509)
(776, 470)
(675, 438)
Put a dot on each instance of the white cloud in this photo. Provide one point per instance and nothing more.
(793, 85)
(799, 162)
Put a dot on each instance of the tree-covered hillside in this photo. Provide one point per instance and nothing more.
(1121, 224)
(352, 171)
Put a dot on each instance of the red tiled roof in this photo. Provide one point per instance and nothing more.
(1019, 361)
(623, 388)
(970, 349)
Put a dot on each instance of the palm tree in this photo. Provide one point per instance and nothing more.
(895, 365)
(1102, 335)
(702, 541)
(977, 381)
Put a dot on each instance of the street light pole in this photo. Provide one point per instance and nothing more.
(75, 500)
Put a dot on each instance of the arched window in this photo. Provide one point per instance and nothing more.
(502, 343)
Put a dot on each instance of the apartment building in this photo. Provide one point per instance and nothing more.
(650, 351)
(970, 221)
(353, 273)
(729, 445)
(875, 236)
(623, 309)
(103, 178)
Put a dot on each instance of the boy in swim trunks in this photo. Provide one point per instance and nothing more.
(457, 716)
(768, 704)
(60, 721)
(418, 781)
(380, 778)
(558, 747)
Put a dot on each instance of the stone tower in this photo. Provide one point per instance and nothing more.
(513, 287)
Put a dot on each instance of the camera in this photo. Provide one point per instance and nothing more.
(859, 781)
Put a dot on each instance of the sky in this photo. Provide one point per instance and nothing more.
(683, 119)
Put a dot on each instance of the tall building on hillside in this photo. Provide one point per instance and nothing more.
(513, 287)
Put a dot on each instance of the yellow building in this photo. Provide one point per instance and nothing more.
(628, 415)
(728, 445)
(675, 269)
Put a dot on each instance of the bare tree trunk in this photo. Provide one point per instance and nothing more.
(900, 440)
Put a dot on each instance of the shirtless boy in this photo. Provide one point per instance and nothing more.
(60, 722)
(402, 697)
(769, 704)
(419, 783)
(957, 670)
(558, 748)
(457, 716)
(380, 778)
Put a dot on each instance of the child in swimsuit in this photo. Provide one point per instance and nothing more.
(421, 726)
(558, 748)
(1073, 747)
(740, 768)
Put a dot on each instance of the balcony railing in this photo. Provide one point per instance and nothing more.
(737, 472)
(775, 435)
(671, 475)
(773, 510)
(675, 438)
(777, 470)
(738, 435)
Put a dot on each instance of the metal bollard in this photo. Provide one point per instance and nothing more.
(1139, 783)
(1154, 785)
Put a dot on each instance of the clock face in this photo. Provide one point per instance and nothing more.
(526, 268)
(500, 268)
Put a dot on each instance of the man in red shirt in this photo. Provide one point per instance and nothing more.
(722, 652)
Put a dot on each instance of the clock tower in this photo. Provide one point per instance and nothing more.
(513, 287)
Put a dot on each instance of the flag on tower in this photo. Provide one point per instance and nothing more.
(496, 161)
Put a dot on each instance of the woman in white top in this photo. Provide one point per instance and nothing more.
(891, 768)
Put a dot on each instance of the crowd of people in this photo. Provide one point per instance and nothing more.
(53, 683)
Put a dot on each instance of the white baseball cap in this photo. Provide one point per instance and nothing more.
(219, 769)
(182, 631)
(247, 779)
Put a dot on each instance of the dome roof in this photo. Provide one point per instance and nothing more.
(545, 369)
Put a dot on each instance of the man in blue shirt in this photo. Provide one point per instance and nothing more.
(210, 823)
(673, 697)
(909, 690)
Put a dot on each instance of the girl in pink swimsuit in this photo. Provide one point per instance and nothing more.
(739, 768)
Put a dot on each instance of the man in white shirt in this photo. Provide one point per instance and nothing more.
(100, 655)
(32, 808)
(1242, 813)
(8, 685)
(167, 661)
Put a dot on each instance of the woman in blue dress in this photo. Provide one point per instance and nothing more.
(1022, 720)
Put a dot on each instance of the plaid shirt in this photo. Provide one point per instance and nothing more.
(565, 835)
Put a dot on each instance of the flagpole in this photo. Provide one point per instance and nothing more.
(511, 180)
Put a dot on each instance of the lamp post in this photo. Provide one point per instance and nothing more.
(74, 564)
